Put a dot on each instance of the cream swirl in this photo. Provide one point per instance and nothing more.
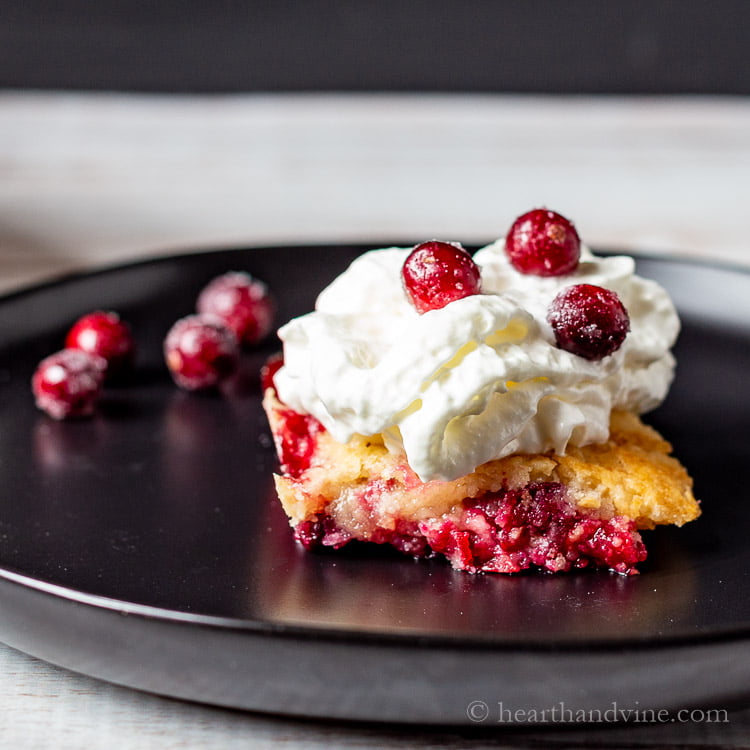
(478, 379)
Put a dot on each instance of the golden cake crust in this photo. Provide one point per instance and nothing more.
(631, 475)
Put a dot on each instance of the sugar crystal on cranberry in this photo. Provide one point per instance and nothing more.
(243, 303)
(543, 243)
(589, 321)
(200, 352)
(437, 273)
(68, 383)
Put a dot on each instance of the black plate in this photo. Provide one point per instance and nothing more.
(146, 547)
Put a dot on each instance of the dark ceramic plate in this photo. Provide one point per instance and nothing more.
(145, 546)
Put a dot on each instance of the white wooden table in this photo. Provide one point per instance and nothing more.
(90, 180)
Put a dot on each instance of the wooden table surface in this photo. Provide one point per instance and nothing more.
(88, 180)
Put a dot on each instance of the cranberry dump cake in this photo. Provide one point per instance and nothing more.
(486, 408)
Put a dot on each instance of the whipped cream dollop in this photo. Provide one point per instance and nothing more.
(480, 378)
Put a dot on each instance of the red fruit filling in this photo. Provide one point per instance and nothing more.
(589, 321)
(543, 243)
(68, 383)
(512, 530)
(296, 441)
(107, 336)
(243, 304)
(320, 531)
(200, 352)
(437, 273)
(505, 532)
(267, 373)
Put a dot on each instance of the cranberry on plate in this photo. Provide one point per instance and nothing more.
(200, 352)
(242, 302)
(68, 383)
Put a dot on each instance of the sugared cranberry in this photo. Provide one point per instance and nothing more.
(68, 383)
(273, 364)
(106, 335)
(588, 320)
(243, 303)
(200, 352)
(437, 273)
(543, 243)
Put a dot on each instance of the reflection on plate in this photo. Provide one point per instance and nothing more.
(163, 507)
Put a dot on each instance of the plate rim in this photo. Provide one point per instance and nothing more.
(165, 256)
(367, 637)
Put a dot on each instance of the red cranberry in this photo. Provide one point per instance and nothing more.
(589, 321)
(104, 334)
(273, 364)
(68, 383)
(200, 352)
(321, 531)
(310, 533)
(437, 273)
(543, 243)
(296, 441)
(243, 303)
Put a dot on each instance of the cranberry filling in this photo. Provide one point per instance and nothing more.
(320, 531)
(268, 371)
(295, 441)
(505, 532)
(501, 532)
(510, 531)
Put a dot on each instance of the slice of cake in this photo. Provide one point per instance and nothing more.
(482, 409)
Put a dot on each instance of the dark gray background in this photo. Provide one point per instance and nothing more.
(541, 46)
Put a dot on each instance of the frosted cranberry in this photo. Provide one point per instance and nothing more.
(200, 352)
(243, 303)
(437, 273)
(106, 335)
(589, 321)
(68, 383)
(273, 364)
(543, 243)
